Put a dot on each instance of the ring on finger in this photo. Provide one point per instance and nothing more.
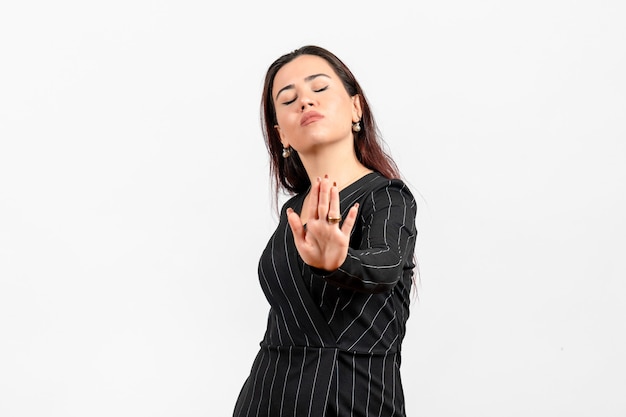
(333, 220)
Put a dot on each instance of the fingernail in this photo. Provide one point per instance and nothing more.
(334, 183)
(326, 176)
(318, 179)
(356, 205)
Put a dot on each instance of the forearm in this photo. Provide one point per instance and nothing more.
(382, 251)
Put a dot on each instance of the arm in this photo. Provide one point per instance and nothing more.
(383, 247)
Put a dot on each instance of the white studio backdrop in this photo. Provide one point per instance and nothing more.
(135, 199)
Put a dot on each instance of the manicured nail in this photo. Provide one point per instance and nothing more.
(334, 183)
(326, 176)
(356, 205)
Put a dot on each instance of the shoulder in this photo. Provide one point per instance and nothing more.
(386, 204)
(376, 185)
(377, 195)
(292, 201)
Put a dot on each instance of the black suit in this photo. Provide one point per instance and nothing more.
(333, 339)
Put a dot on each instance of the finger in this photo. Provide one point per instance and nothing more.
(296, 225)
(334, 209)
(348, 223)
(311, 208)
(324, 198)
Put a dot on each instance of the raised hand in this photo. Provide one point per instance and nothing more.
(323, 243)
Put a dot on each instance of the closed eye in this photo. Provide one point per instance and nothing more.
(319, 90)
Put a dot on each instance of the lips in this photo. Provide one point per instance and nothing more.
(310, 117)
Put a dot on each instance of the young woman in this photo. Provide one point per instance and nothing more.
(338, 270)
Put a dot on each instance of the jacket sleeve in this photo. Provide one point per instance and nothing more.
(381, 250)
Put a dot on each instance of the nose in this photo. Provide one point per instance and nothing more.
(305, 102)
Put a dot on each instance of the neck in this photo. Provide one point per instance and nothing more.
(339, 163)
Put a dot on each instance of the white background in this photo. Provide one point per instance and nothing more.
(135, 198)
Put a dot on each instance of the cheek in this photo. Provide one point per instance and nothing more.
(283, 116)
(343, 107)
(286, 123)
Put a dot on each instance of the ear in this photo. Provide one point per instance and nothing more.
(283, 140)
(356, 108)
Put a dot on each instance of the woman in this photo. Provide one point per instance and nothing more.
(338, 270)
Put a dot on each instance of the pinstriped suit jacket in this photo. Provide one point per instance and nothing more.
(333, 339)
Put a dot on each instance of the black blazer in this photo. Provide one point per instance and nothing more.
(333, 339)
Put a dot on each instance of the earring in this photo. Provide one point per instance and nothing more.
(286, 152)
(356, 127)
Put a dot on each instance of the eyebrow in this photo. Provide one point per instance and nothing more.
(306, 79)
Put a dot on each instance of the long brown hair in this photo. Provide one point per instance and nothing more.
(289, 173)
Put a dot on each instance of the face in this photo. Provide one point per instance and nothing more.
(313, 108)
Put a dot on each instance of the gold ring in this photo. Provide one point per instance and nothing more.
(333, 220)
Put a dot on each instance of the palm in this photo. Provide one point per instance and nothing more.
(322, 244)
